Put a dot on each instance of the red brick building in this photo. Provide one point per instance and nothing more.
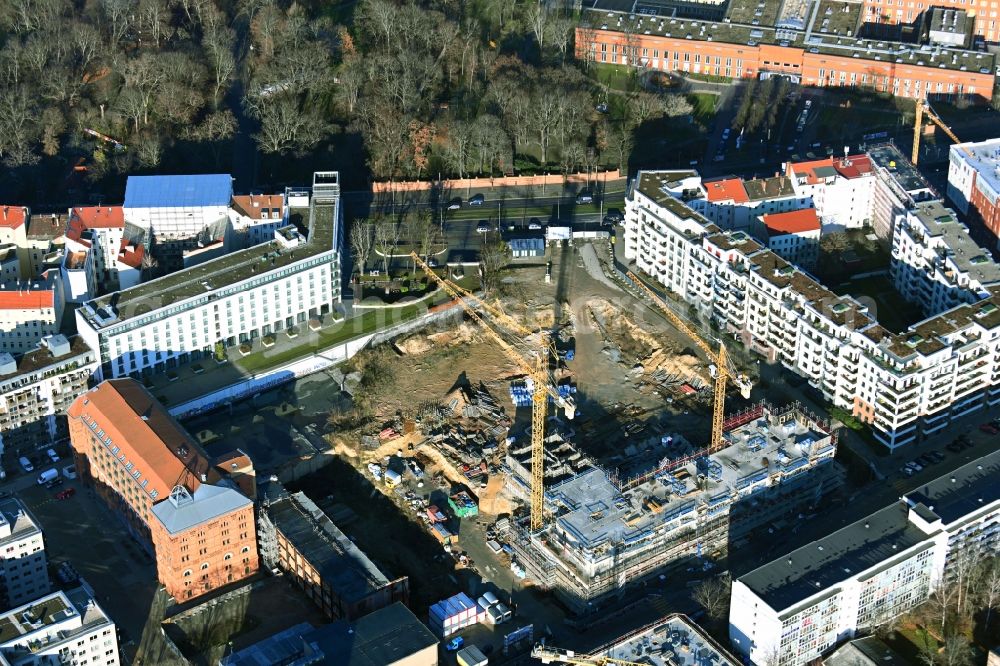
(735, 51)
(148, 469)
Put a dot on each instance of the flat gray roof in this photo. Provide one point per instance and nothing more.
(821, 565)
(383, 637)
(671, 641)
(870, 543)
(22, 524)
(962, 251)
(207, 502)
(967, 489)
(341, 564)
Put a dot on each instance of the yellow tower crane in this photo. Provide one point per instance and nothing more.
(723, 368)
(533, 358)
(549, 655)
(924, 109)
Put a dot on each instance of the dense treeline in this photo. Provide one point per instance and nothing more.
(455, 87)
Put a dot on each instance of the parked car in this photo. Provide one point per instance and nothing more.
(614, 215)
(65, 494)
(455, 204)
(725, 134)
(53, 456)
(483, 227)
(936, 456)
(584, 198)
(534, 224)
(69, 471)
(914, 465)
(54, 483)
(47, 476)
(455, 644)
(25, 464)
(989, 428)
(477, 200)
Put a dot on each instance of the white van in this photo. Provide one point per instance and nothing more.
(47, 475)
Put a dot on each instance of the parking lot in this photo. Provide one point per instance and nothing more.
(81, 530)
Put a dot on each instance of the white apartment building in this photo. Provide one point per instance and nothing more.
(735, 204)
(37, 387)
(793, 236)
(61, 628)
(904, 384)
(801, 605)
(935, 263)
(230, 300)
(254, 218)
(29, 312)
(23, 567)
(102, 253)
(967, 172)
(840, 188)
(177, 208)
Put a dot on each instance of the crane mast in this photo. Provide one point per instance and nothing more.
(721, 360)
(923, 108)
(533, 361)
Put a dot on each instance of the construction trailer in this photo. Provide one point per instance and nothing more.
(605, 533)
(453, 614)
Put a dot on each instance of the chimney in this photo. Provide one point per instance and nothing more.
(204, 477)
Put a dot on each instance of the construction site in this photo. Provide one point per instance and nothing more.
(603, 532)
(576, 438)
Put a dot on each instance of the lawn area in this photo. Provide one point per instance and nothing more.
(354, 327)
(705, 105)
(837, 122)
(889, 308)
(617, 77)
(909, 642)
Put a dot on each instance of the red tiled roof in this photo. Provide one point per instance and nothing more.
(26, 300)
(13, 217)
(730, 189)
(251, 205)
(808, 169)
(94, 217)
(146, 434)
(853, 166)
(131, 255)
(792, 222)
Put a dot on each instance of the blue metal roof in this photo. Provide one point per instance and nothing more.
(178, 191)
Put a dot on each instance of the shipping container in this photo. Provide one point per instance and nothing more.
(471, 656)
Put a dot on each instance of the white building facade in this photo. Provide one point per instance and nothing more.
(61, 628)
(800, 606)
(904, 384)
(936, 264)
(38, 387)
(234, 299)
(23, 565)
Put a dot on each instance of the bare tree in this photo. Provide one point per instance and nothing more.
(362, 238)
(426, 234)
(284, 127)
(956, 651)
(537, 17)
(677, 105)
(386, 240)
(494, 258)
(18, 127)
(989, 587)
(713, 596)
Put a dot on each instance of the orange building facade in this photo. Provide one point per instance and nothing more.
(893, 13)
(809, 67)
(199, 526)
